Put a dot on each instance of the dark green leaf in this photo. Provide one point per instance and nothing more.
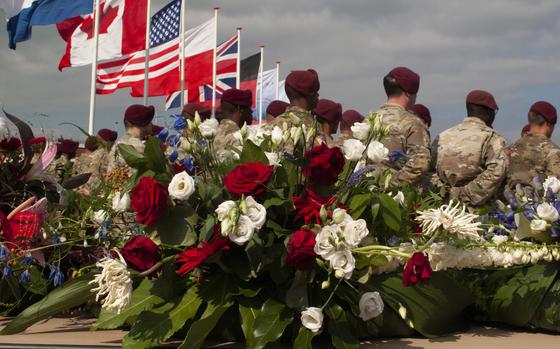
(358, 204)
(85, 133)
(296, 297)
(25, 134)
(200, 329)
(38, 283)
(132, 157)
(304, 338)
(76, 181)
(177, 226)
(374, 211)
(391, 212)
(252, 153)
(546, 317)
(271, 323)
(339, 329)
(249, 313)
(154, 155)
(71, 294)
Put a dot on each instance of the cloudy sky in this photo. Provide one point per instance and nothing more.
(508, 47)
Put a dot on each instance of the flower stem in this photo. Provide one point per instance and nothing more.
(332, 294)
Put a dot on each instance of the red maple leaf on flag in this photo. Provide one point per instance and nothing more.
(107, 18)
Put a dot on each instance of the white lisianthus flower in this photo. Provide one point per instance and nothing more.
(120, 202)
(209, 128)
(339, 215)
(353, 149)
(226, 227)
(224, 209)
(255, 134)
(227, 155)
(451, 219)
(238, 136)
(295, 134)
(399, 198)
(499, 239)
(553, 183)
(343, 263)
(113, 284)
(255, 211)
(538, 225)
(324, 246)
(547, 212)
(243, 232)
(377, 152)
(273, 159)
(99, 217)
(277, 136)
(360, 130)
(355, 232)
(371, 305)
(181, 186)
(312, 319)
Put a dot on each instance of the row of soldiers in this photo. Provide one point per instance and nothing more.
(471, 159)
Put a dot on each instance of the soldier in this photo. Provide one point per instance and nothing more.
(328, 114)
(190, 109)
(349, 118)
(138, 125)
(95, 160)
(407, 133)
(471, 158)
(274, 109)
(423, 113)
(235, 111)
(534, 154)
(525, 130)
(63, 165)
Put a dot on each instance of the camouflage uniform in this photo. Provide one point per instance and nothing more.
(533, 155)
(471, 158)
(407, 134)
(115, 159)
(339, 142)
(59, 168)
(225, 135)
(294, 116)
(95, 163)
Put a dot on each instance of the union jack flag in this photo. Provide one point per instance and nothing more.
(226, 77)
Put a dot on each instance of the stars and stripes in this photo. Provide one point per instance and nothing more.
(166, 24)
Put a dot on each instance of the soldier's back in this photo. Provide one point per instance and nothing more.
(115, 159)
(533, 155)
(225, 136)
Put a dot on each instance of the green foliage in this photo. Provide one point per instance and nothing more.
(390, 212)
(270, 323)
(339, 328)
(200, 329)
(252, 153)
(358, 204)
(304, 338)
(178, 226)
(296, 298)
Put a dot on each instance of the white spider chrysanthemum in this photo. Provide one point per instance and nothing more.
(114, 284)
(451, 218)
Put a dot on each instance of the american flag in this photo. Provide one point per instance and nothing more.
(166, 24)
(226, 77)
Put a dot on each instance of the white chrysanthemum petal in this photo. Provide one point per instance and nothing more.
(452, 219)
(114, 284)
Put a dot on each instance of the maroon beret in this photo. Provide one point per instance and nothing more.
(139, 115)
(546, 110)
(328, 110)
(276, 108)
(305, 82)
(242, 98)
(407, 80)
(483, 98)
(69, 146)
(91, 143)
(37, 140)
(107, 135)
(204, 111)
(423, 113)
(526, 129)
(156, 129)
(350, 117)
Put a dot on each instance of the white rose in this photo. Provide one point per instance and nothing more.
(538, 225)
(255, 211)
(343, 263)
(209, 128)
(224, 209)
(547, 212)
(312, 319)
(399, 198)
(121, 202)
(371, 305)
(553, 183)
(360, 130)
(99, 217)
(181, 186)
(353, 149)
(499, 239)
(324, 241)
(355, 232)
(377, 152)
(243, 232)
(273, 159)
(277, 136)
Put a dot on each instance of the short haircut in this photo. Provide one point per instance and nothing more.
(228, 108)
(479, 110)
(536, 119)
(392, 89)
(292, 93)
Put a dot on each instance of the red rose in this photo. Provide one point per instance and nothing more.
(309, 206)
(248, 179)
(148, 200)
(325, 164)
(140, 253)
(10, 144)
(194, 256)
(417, 269)
(301, 255)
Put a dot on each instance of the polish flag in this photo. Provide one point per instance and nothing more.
(122, 30)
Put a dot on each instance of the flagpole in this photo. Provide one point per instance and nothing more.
(147, 54)
(93, 91)
(261, 72)
(182, 51)
(214, 61)
(277, 79)
(238, 75)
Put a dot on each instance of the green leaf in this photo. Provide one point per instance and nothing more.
(304, 338)
(339, 329)
(142, 299)
(546, 317)
(252, 153)
(132, 157)
(177, 226)
(296, 297)
(391, 212)
(358, 204)
(154, 155)
(374, 211)
(38, 283)
(71, 294)
(155, 326)
(249, 313)
(200, 329)
(271, 323)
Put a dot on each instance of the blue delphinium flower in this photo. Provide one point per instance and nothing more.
(103, 230)
(554, 232)
(393, 241)
(26, 260)
(25, 277)
(180, 123)
(7, 272)
(188, 164)
(202, 142)
(56, 276)
(357, 176)
(396, 155)
(4, 253)
(163, 134)
(512, 200)
(174, 141)
(173, 156)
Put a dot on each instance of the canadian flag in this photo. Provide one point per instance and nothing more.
(122, 30)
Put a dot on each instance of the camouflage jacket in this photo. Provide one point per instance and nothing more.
(294, 116)
(95, 163)
(471, 158)
(339, 142)
(115, 159)
(533, 155)
(225, 136)
(407, 134)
